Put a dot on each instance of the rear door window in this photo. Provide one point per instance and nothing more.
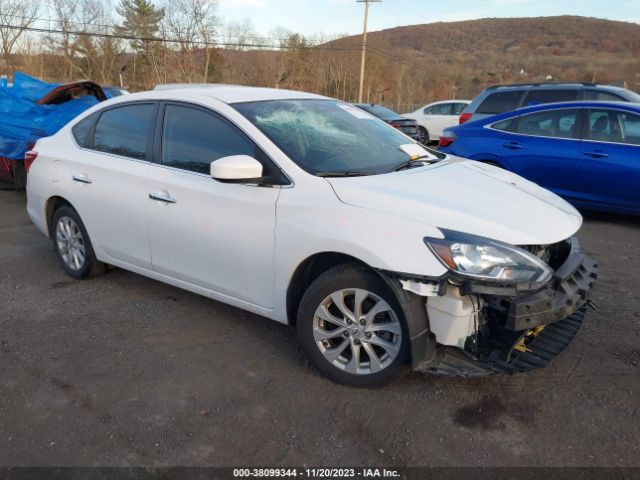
(125, 130)
(550, 123)
(604, 126)
(538, 96)
(441, 109)
(500, 102)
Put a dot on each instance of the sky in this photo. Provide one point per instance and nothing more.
(310, 17)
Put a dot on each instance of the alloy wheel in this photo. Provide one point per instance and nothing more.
(70, 243)
(423, 136)
(357, 331)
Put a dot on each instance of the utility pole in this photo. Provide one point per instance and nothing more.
(364, 44)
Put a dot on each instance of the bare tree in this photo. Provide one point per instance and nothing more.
(16, 16)
(194, 24)
(98, 56)
(237, 35)
(64, 12)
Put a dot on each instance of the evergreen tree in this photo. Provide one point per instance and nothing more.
(140, 19)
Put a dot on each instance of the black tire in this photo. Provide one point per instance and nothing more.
(90, 266)
(344, 277)
(423, 136)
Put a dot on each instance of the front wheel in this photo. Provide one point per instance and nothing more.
(353, 329)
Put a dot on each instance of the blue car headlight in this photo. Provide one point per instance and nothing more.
(486, 259)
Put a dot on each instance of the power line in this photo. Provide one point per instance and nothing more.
(326, 47)
(113, 27)
(172, 40)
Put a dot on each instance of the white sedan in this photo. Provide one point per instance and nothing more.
(436, 117)
(309, 211)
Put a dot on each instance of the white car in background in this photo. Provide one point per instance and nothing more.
(383, 254)
(436, 117)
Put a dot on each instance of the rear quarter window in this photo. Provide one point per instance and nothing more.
(82, 129)
(508, 125)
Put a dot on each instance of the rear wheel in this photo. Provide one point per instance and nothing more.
(352, 328)
(72, 245)
(423, 136)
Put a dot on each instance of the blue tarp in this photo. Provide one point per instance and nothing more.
(22, 121)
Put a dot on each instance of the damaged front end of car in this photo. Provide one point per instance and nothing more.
(501, 308)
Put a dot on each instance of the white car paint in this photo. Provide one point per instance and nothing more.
(435, 121)
(241, 244)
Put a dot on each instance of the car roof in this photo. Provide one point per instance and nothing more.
(634, 107)
(457, 100)
(370, 105)
(225, 93)
(576, 104)
(551, 85)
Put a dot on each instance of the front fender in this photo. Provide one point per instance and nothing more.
(382, 241)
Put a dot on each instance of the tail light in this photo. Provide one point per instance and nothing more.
(396, 124)
(465, 117)
(447, 139)
(29, 158)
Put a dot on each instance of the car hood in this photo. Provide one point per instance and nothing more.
(466, 196)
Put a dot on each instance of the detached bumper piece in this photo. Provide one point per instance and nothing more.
(543, 347)
(533, 350)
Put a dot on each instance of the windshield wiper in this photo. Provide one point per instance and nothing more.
(341, 174)
(413, 162)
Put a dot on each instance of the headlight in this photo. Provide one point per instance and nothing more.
(487, 259)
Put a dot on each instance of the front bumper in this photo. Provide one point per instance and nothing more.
(524, 328)
(535, 354)
(525, 306)
(566, 293)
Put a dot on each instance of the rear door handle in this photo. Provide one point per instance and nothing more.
(513, 145)
(162, 197)
(82, 179)
(596, 154)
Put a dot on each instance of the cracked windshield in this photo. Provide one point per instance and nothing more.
(330, 137)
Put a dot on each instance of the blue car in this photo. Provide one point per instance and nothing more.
(586, 152)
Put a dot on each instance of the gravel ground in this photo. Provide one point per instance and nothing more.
(122, 370)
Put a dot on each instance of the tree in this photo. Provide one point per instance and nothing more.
(193, 23)
(141, 20)
(16, 16)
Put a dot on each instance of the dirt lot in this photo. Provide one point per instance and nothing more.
(122, 370)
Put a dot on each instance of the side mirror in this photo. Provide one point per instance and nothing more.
(236, 168)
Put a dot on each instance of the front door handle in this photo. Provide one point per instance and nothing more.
(596, 154)
(166, 198)
(82, 179)
(513, 145)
